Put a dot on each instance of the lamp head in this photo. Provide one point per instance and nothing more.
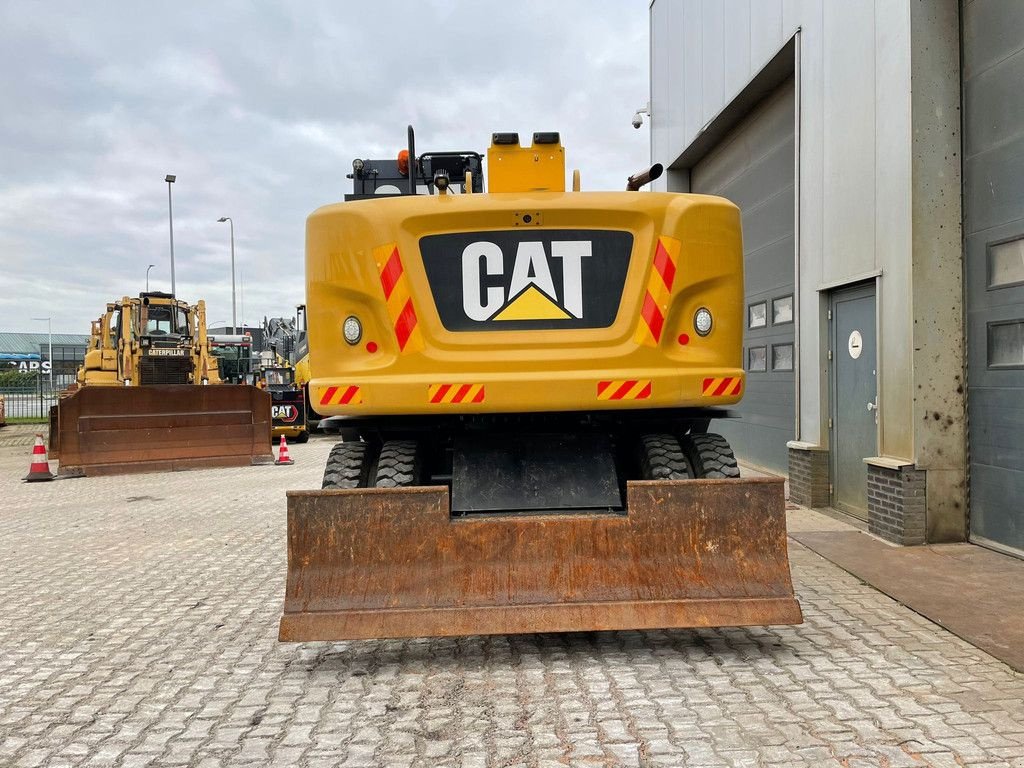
(170, 179)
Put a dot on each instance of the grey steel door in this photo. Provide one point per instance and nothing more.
(854, 396)
(993, 205)
(753, 167)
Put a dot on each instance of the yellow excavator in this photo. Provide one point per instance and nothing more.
(533, 374)
(149, 397)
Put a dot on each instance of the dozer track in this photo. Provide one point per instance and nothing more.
(393, 562)
(101, 430)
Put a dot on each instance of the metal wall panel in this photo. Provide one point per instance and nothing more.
(855, 131)
(766, 29)
(664, 71)
(993, 124)
(753, 167)
(712, 59)
(690, 108)
(736, 48)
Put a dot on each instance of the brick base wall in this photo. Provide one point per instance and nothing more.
(897, 504)
(808, 477)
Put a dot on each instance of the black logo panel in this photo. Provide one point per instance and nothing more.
(527, 278)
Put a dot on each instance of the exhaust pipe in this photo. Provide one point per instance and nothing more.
(637, 180)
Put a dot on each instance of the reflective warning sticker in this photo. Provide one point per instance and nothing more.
(657, 297)
(443, 394)
(726, 386)
(395, 284)
(626, 389)
(344, 395)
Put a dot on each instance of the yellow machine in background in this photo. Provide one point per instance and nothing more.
(532, 373)
(302, 372)
(152, 339)
(142, 400)
(288, 397)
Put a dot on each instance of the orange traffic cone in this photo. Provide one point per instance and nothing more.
(282, 453)
(40, 469)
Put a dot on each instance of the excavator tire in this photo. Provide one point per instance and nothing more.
(348, 466)
(661, 458)
(710, 456)
(398, 465)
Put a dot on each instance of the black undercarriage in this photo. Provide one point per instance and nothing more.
(577, 461)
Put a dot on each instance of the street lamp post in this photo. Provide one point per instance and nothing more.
(241, 290)
(49, 354)
(234, 318)
(170, 218)
(147, 276)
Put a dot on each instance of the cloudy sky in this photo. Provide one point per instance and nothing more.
(259, 108)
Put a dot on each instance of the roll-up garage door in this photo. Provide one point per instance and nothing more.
(753, 167)
(993, 204)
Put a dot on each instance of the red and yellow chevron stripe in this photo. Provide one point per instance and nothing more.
(631, 389)
(399, 300)
(729, 385)
(654, 308)
(351, 395)
(443, 394)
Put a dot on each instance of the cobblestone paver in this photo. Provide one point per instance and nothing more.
(17, 435)
(139, 628)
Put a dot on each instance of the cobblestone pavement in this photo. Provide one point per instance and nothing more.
(16, 435)
(139, 628)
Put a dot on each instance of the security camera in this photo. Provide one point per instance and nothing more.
(638, 118)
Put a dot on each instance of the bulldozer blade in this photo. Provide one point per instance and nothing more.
(118, 430)
(390, 563)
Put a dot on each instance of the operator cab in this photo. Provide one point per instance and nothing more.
(164, 321)
(279, 378)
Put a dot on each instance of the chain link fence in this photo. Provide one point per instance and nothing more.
(30, 400)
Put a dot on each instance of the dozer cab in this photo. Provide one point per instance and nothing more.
(533, 374)
(149, 397)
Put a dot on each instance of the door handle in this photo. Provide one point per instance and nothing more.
(872, 406)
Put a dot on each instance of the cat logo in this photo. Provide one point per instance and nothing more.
(167, 352)
(531, 290)
(283, 412)
(522, 280)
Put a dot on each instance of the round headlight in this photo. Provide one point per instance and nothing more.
(702, 321)
(357, 165)
(352, 329)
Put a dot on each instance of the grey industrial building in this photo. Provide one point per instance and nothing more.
(30, 353)
(876, 151)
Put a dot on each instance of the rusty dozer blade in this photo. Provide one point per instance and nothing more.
(388, 563)
(117, 430)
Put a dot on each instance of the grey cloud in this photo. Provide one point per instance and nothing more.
(259, 108)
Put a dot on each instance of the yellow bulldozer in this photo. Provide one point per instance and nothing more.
(532, 373)
(149, 397)
(152, 339)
